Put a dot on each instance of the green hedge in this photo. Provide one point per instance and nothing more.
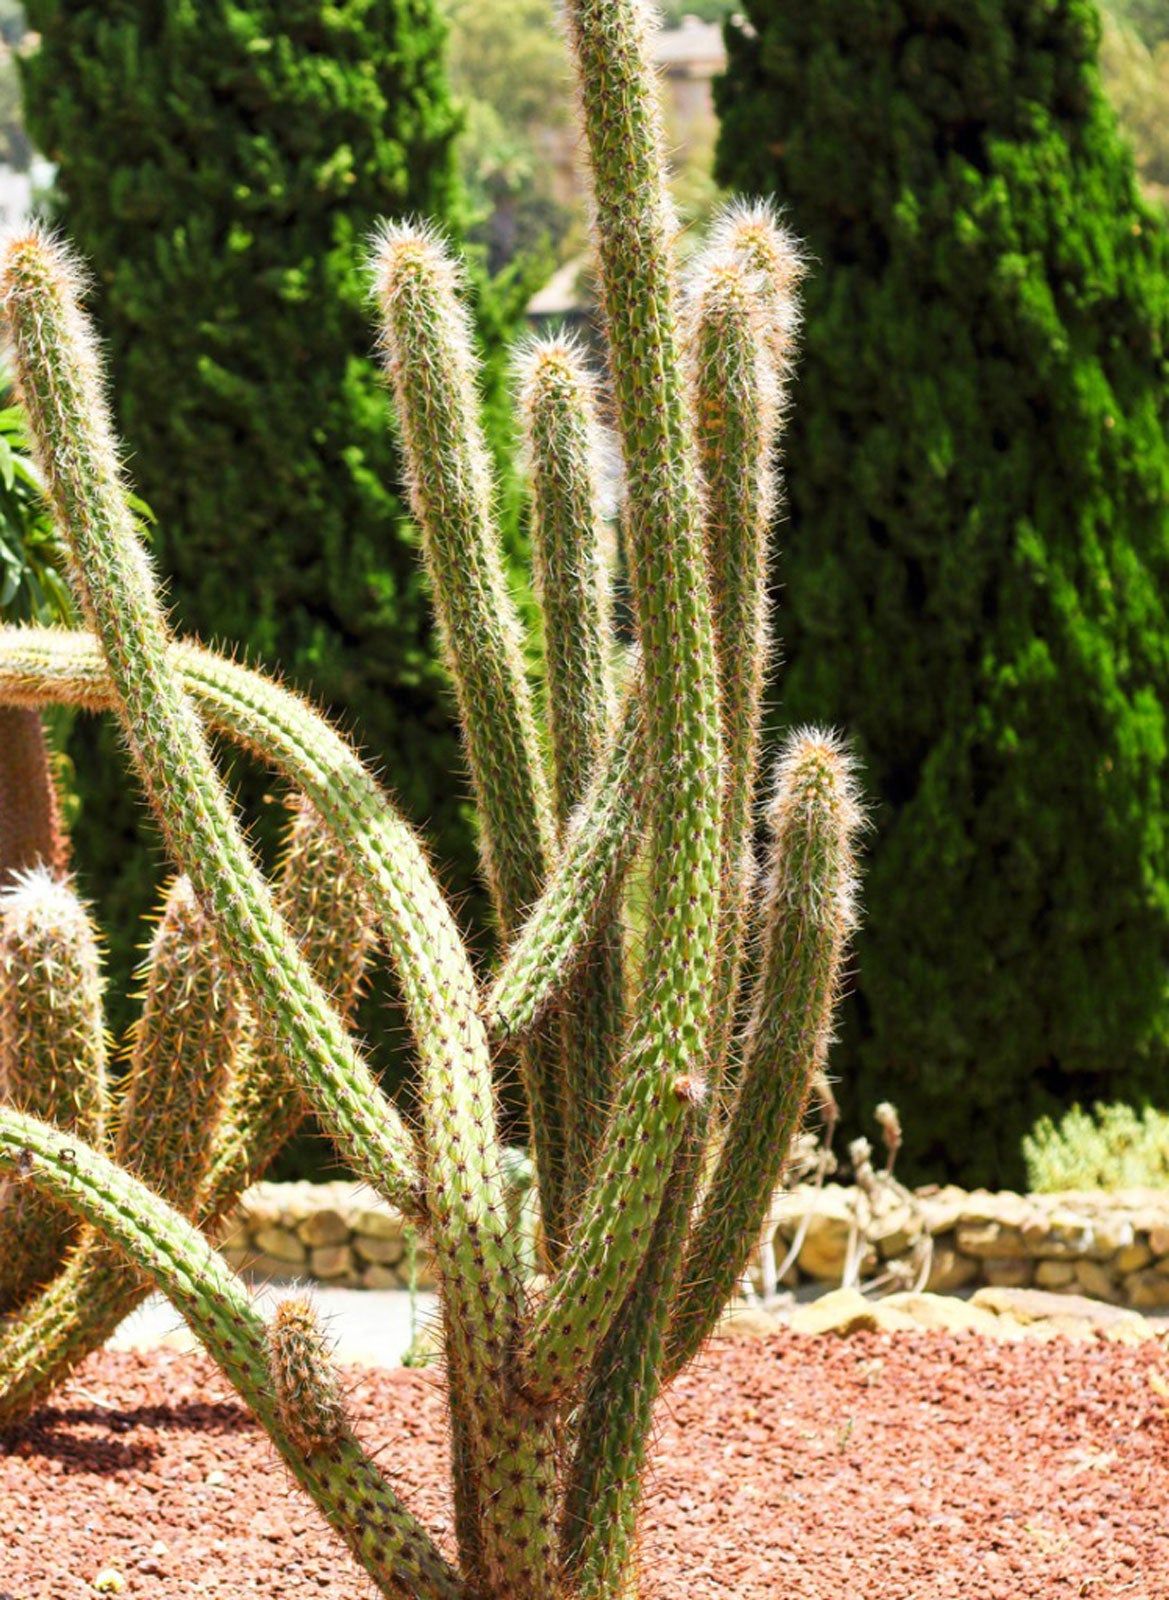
(977, 557)
(220, 165)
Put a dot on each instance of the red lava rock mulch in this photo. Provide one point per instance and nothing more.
(903, 1467)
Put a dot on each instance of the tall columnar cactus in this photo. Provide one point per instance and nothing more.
(659, 1124)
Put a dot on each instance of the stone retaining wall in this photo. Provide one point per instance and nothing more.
(1114, 1247)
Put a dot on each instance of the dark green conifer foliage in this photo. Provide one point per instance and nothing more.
(220, 166)
(978, 548)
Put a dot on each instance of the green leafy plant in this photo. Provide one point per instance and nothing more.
(976, 552)
(1109, 1147)
(658, 1125)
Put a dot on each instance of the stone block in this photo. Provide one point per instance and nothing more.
(324, 1227)
(1146, 1291)
(378, 1277)
(1095, 1279)
(992, 1241)
(1132, 1258)
(949, 1270)
(1055, 1274)
(329, 1261)
(1007, 1272)
(281, 1244)
(841, 1311)
(377, 1222)
(381, 1252)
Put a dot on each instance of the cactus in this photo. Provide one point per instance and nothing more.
(659, 1126)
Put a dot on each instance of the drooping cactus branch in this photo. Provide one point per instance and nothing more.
(649, 1199)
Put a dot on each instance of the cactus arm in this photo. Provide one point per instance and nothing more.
(50, 666)
(325, 901)
(601, 840)
(427, 342)
(388, 1542)
(52, 1057)
(31, 829)
(182, 1066)
(734, 389)
(181, 1055)
(808, 915)
(58, 378)
(663, 1086)
(572, 582)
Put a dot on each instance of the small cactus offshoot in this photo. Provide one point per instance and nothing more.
(670, 1023)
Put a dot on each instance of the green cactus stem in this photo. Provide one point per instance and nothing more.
(52, 1057)
(427, 341)
(569, 541)
(180, 1067)
(31, 830)
(383, 1536)
(47, 666)
(58, 379)
(809, 913)
(664, 1086)
(735, 395)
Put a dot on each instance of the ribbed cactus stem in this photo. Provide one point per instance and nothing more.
(31, 830)
(735, 397)
(809, 912)
(751, 231)
(427, 340)
(601, 840)
(182, 1068)
(58, 377)
(428, 347)
(48, 666)
(52, 1057)
(664, 1079)
(181, 1056)
(327, 905)
(572, 580)
(384, 1537)
(304, 1379)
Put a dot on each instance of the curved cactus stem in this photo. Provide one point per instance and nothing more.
(572, 582)
(50, 666)
(600, 843)
(326, 903)
(808, 914)
(97, 1288)
(663, 1085)
(58, 378)
(52, 1057)
(32, 832)
(384, 1537)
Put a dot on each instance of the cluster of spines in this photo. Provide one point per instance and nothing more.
(551, 1404)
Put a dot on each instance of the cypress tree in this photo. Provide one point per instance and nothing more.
(978, 544)
(220, 164)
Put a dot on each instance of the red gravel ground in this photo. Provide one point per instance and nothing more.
(904, 1467)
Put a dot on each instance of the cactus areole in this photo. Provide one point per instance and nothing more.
(667, 1018)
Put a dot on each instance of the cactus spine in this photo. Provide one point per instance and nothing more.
(550, 1392)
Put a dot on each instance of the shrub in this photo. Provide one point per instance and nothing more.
(978, 550)
(1111, 1147)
